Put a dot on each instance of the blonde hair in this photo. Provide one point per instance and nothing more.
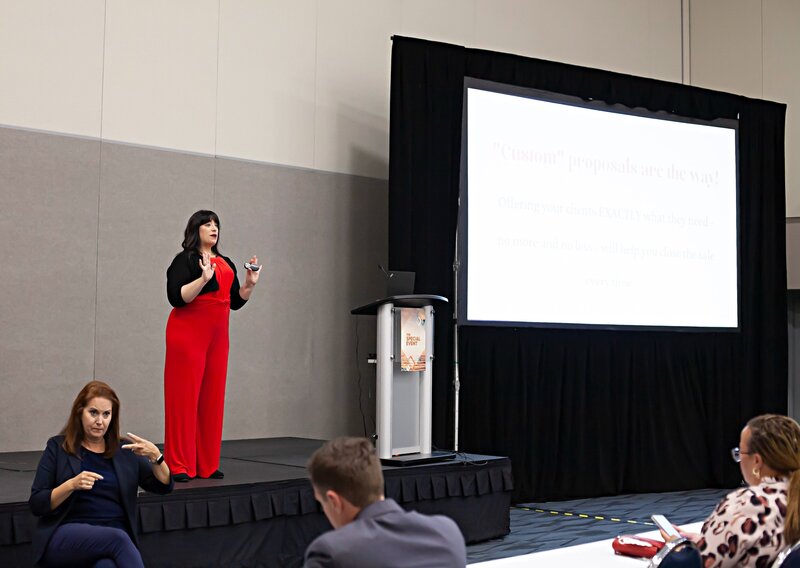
(776, 439)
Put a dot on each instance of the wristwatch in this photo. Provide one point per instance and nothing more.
(159, 460)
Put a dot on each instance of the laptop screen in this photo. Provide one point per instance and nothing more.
(400, 283)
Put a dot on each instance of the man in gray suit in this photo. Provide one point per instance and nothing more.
(371, 531)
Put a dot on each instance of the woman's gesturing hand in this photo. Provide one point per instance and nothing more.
(84, 481)
(251, 279)
(207, 267)
(142, 447)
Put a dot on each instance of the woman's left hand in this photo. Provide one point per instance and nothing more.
(251, 279)
(142, 447)
(694, 537)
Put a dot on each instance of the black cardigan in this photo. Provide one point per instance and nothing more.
(185, 268)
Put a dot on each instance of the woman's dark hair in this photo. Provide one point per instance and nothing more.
(191, 236)
(73, 430)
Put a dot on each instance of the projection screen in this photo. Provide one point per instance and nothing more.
(577, 213)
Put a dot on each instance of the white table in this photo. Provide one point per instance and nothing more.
(595, 554)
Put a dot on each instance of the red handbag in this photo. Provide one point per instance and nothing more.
(637, 546)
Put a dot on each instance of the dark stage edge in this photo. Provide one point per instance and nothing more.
(264, 512)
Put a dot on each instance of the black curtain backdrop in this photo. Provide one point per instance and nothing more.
(584, 412)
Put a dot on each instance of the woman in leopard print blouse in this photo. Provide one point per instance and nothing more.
(751, 525)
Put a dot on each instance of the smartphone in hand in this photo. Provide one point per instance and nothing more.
(663, 524)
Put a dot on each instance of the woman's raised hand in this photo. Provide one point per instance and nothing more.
(142, 447)
(207, 267)
(251, 279)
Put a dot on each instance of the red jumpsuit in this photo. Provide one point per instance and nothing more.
(194, 379)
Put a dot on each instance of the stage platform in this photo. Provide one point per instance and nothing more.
(264, 512)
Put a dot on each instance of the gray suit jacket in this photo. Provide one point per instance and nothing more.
(385, 535)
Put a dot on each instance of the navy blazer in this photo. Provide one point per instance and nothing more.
(185, 268)
(56, 466)
(386, 535)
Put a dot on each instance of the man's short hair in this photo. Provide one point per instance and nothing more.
(350, 467)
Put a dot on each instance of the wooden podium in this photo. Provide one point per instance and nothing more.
(403, 398)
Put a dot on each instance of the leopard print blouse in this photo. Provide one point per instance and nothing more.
(746, 528)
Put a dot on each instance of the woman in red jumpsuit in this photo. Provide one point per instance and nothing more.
(203, 288)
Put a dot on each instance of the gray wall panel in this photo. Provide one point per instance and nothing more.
(146, 198)
(793, 253)
(793, 321)
(106, 219)
(48, 226)
(293, 352)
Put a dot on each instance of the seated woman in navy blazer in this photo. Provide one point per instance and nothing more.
(84, 492)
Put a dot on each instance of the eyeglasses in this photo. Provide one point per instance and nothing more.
(737, 454)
